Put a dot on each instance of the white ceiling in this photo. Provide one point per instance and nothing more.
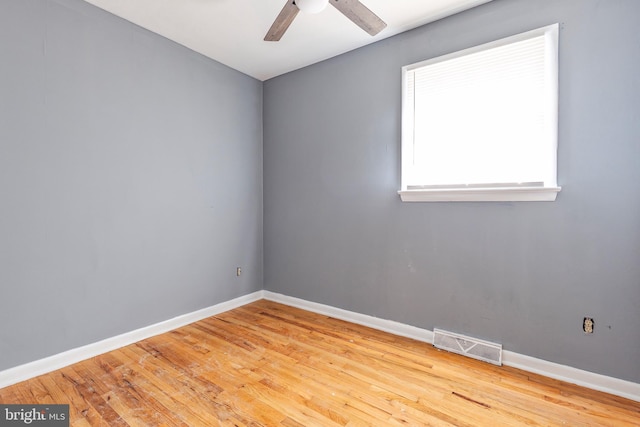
(232, 31)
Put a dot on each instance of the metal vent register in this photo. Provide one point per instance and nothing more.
(468, 346)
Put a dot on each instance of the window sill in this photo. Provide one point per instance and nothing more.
(504, 194)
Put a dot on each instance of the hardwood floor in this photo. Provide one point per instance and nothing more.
(266, 364)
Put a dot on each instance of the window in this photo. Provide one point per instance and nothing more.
(481, 124)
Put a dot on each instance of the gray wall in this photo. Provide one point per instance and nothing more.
(523, 274)
(130, 179)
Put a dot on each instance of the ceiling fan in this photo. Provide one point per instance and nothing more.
(352, 9)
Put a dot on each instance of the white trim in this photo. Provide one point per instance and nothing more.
(622, 388)
(412, 173)
(492, 194)
(48, 364)
(390, 326)
(616, 386)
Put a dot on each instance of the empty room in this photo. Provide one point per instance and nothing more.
(319, 213)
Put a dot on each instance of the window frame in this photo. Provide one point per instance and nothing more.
(503, 192)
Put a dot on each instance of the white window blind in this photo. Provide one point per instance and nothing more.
(484, 118)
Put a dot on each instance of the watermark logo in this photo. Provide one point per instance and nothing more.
(34, 415)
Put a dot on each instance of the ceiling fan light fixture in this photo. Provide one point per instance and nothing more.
(312, 6)
(357, 12)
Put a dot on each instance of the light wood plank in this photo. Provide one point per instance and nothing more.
(266, 364)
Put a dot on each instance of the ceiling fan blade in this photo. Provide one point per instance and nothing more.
(360, 15)
(282, 22)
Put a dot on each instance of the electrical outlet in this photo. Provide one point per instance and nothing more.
(587, 325)
(238, 271)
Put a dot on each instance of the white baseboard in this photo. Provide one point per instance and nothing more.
(618, 387)
(622, 388)
(390, 326)
(58, 361)
(591, 380)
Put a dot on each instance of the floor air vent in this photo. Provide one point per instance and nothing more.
(467, 346)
